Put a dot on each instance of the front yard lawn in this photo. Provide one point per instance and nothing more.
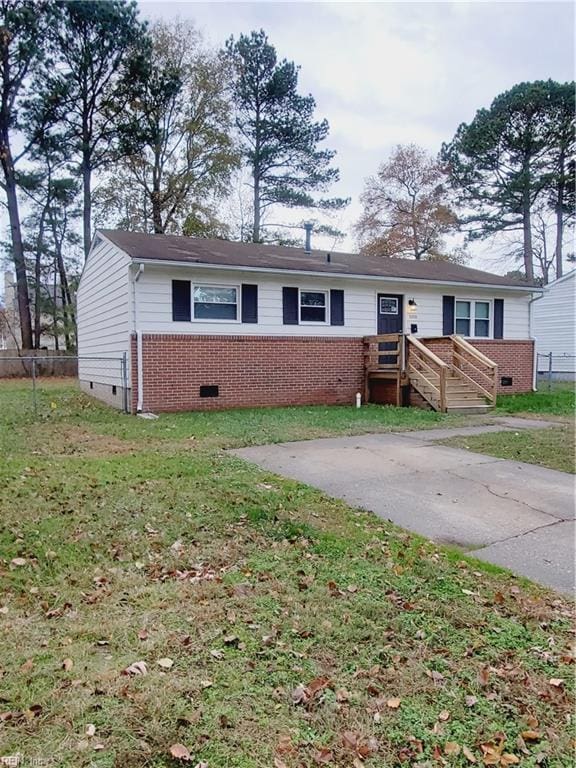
(558, 400)
(553, 448)
(160, 597)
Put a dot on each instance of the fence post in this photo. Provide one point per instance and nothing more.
(124, 365)
(34, 387)
(549, 371)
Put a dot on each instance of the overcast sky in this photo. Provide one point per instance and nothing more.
(398, 72)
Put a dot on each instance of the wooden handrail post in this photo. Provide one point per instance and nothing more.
(443, 406)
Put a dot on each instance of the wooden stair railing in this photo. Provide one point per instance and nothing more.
(427, 373)
(485, 371)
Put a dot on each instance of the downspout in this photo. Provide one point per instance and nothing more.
(535, 355)
(140, 371)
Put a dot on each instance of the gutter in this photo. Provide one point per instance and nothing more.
(139, 362)
(338, 275)
(535, 360)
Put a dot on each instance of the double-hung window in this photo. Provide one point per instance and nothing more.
(472, 318)
(313, 306)
(215, 302)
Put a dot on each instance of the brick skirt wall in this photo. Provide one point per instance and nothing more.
(248, 370)
(514, 357)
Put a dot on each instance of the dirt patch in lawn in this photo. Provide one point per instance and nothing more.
(71, 440)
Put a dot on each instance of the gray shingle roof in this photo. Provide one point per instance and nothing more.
(196, 250)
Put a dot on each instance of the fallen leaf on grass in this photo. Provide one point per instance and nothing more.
(18, 562)
(393, 703)
(27, 666)
(67, 665)
(143, 635)
(468, 755)
(323, 756)
(531, 735)
(470, 701)
(137, 668)
(206, 684)
(556, 682)
(165, 663)
(452, 748)
(90, 729)
(444, 715)
(180, 752)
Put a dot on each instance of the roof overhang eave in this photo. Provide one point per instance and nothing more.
(341, 275)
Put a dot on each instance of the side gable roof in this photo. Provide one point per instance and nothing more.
(191, 250)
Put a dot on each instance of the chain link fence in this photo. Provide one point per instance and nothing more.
(50, 378)
(551, 368)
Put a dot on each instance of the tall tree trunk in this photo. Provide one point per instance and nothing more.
(87, 204)
(157, 213)
(527, 224)
(17, 245)
(560, 213)
(256, 223)
(68, 313)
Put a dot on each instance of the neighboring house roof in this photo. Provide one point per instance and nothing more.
(192, 250)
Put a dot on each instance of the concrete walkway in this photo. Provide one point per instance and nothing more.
(512, 514)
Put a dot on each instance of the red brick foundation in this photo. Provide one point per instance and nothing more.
(514, 357)
(248, 370)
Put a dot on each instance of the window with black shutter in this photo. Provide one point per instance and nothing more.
(249, 303)
(181, 300)
(290, 306)
(336, 307)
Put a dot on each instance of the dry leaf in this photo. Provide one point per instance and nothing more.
(278, 763)
(444, 715)
(323, 756)
(531, 735)
(206, 683)
(143, 635)
(470, 701)
(342, 695)
(165, 663)
(299, 694)
(18, 562)
(180, 752)
(509, 759)
(393, 703)
(468, 755)
(216, 654)
(556, 682)
(27, 666)
(90, 729)
(138, 668)
(67, 665)
(451, 748)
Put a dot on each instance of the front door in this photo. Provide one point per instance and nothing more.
(390, 320)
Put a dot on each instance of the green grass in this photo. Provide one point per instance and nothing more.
(552, 447)
(125, 540)
(556, 401)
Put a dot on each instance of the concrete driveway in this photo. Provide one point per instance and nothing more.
(512, 514)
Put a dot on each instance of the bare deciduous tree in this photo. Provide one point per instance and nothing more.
(406, 207)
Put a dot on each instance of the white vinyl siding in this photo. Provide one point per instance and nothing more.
(103, 314)
(154, 296)
(554, 322)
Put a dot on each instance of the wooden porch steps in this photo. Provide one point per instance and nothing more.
(466, 383)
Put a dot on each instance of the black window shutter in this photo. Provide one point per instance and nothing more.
(336, 307)
(447, 315)
(290, 306)
(249, 303)
(498, 318)
(181, 300)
